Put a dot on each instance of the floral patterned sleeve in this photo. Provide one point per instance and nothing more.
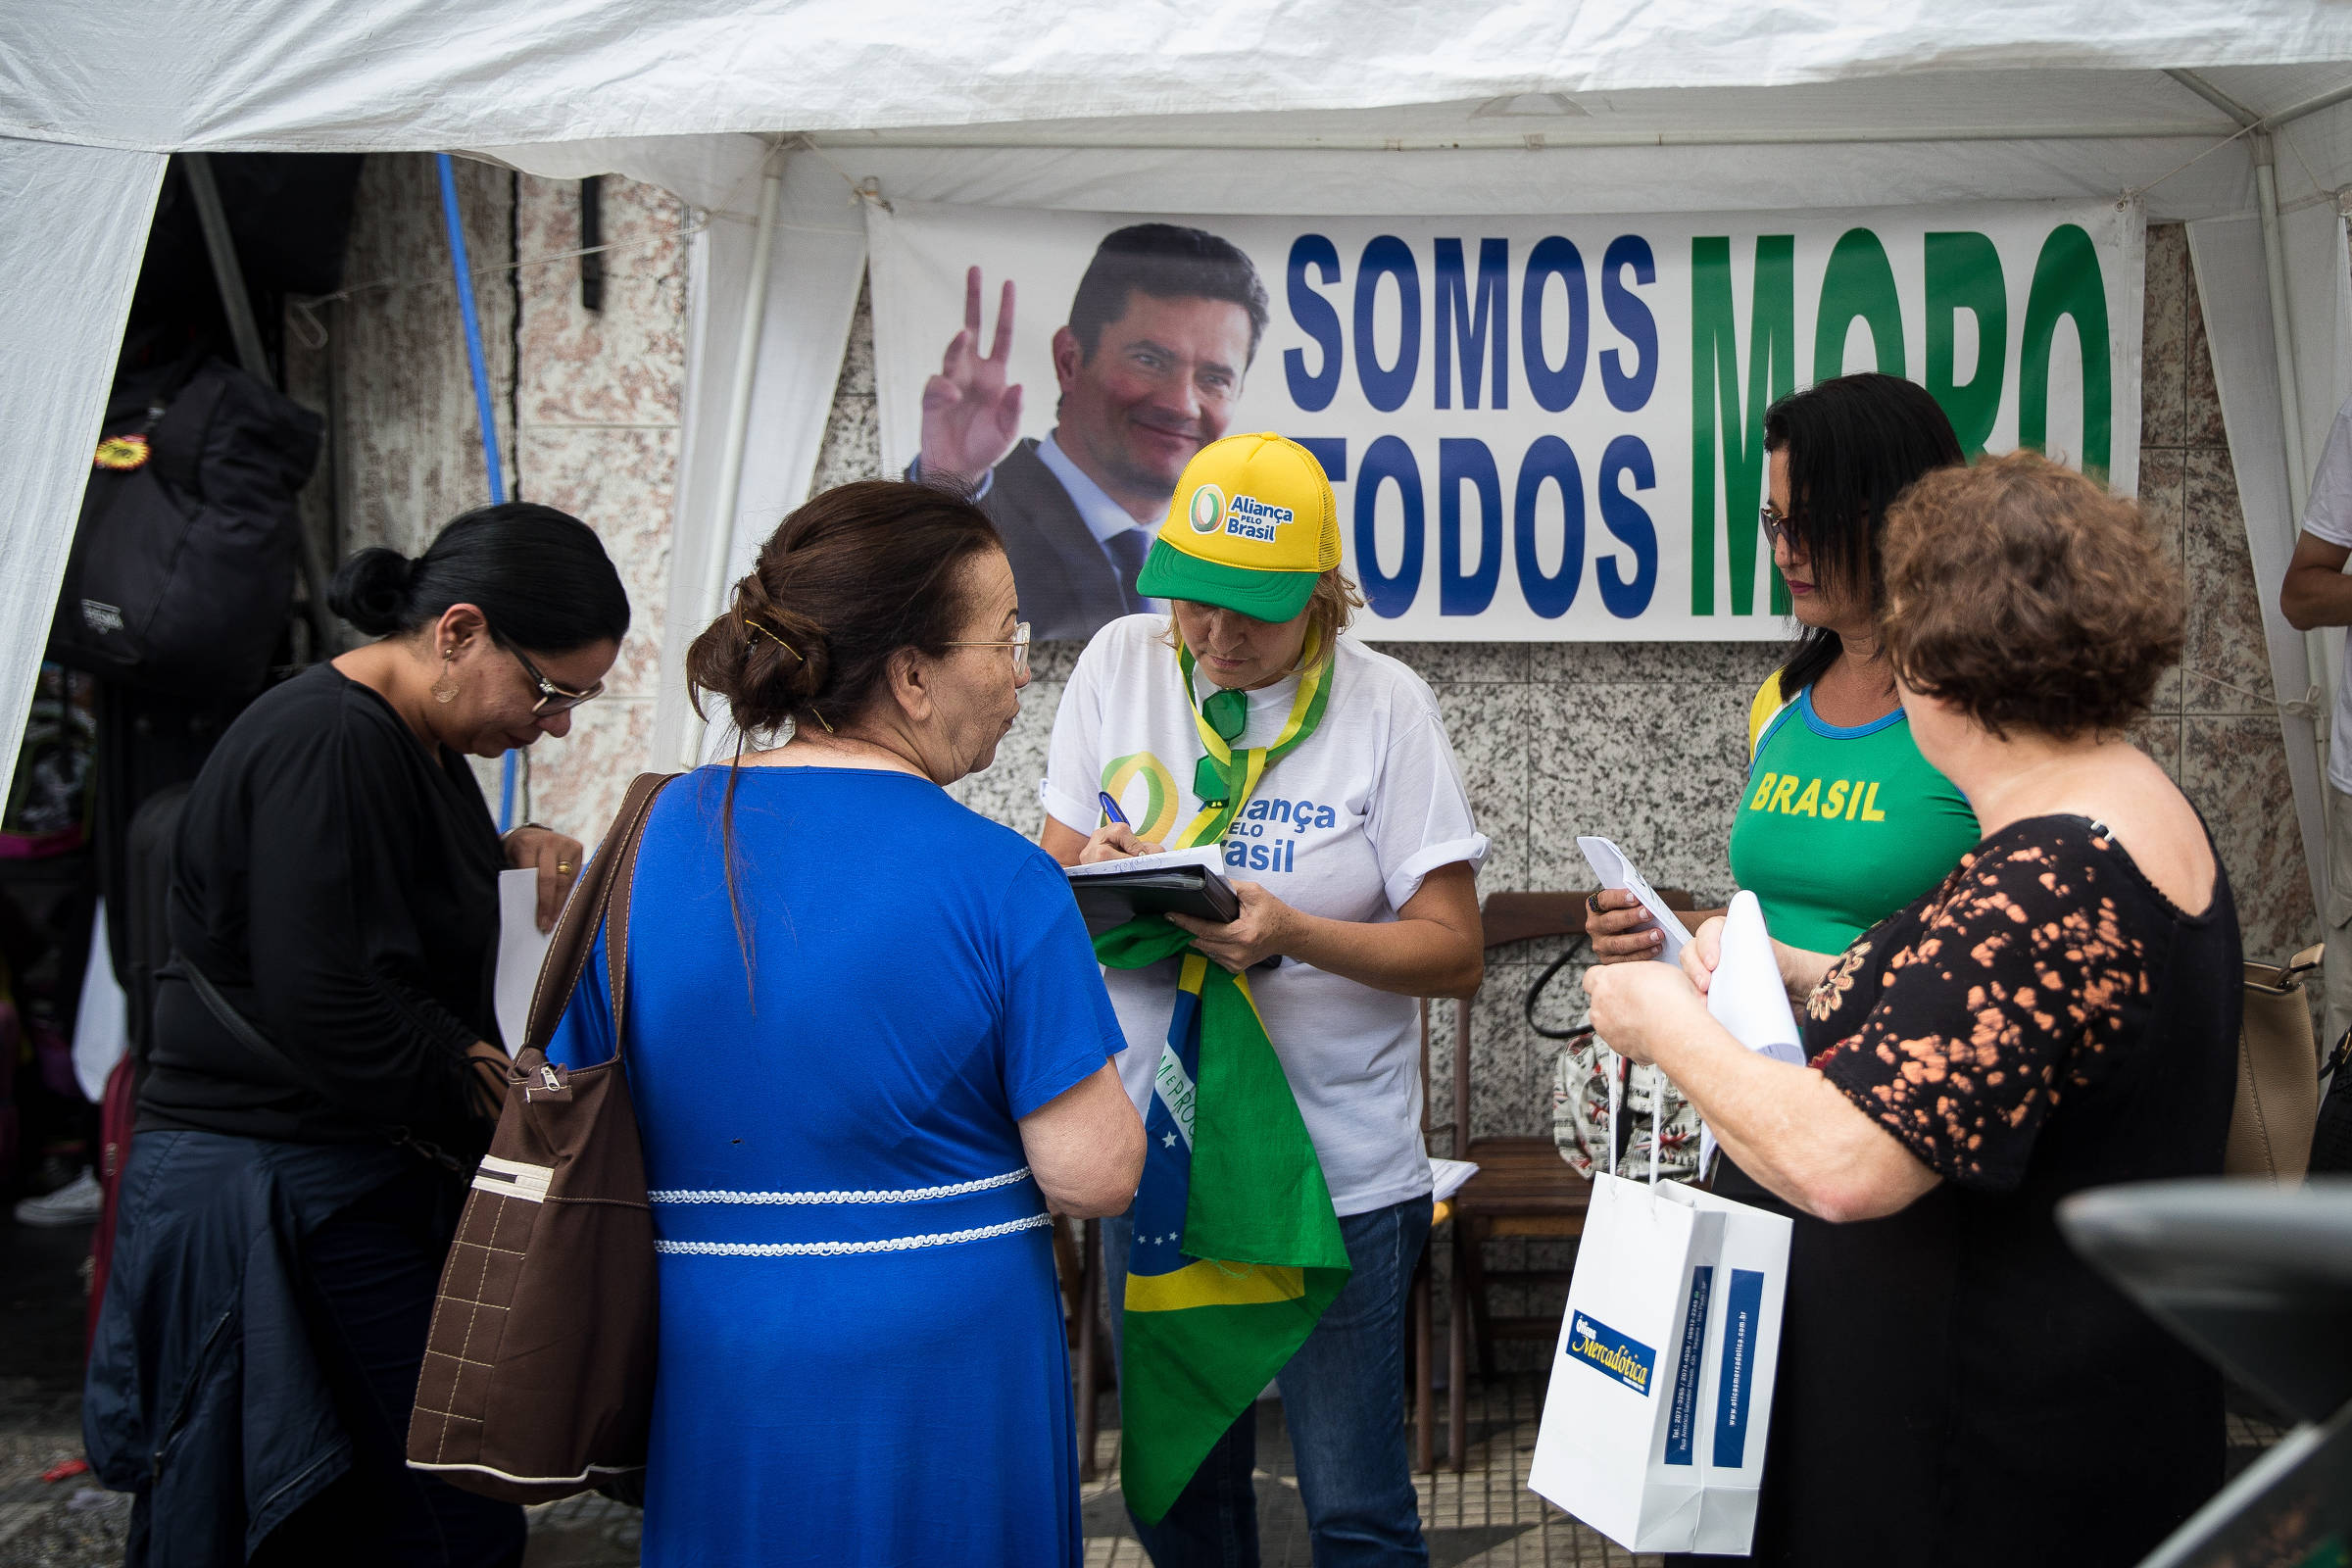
(2012, 990)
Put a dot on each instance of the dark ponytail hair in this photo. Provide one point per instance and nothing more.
(852, 578)
(540, 577)
(1854, 444)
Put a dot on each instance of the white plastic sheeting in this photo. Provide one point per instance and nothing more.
(338, 74)
(73, 226)
(1265, 105)
(2233, 288)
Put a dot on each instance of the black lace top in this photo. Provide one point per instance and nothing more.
(1956, 1387)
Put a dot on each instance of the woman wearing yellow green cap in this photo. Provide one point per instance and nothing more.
(1286, 1195)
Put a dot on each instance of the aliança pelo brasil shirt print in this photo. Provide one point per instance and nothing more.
(1347, 826)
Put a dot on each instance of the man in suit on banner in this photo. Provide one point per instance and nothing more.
(1160, 333)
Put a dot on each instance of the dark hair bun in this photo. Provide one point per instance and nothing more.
(372, 590)
(854, 575)
(765, 660)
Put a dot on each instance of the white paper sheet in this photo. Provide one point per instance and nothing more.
(101, 1028)
(1748, 996)
(1615, 871)
(1205, 854)
(521, 947)
(1447, 1176)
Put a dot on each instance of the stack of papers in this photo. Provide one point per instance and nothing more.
(1748, 996)
(521, 945)
(1610, 865)
(1207, 855)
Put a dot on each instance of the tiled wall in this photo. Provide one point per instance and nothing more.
(587, 405)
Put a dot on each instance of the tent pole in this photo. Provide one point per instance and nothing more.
(2290, 412)
(229, 275)
(739, 423)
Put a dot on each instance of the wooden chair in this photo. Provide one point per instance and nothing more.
(1079, 1266)
(1523, 1189)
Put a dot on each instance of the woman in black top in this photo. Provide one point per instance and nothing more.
(1955, 1386)
(305, 1129)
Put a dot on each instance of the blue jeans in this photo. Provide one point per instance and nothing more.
(1344, 1397)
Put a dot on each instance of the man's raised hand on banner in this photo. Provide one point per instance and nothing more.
(970, 416)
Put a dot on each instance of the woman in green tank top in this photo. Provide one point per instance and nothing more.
(1842, 822)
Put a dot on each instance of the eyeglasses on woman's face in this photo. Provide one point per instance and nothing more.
(1780, 532)
(1019, 641)
(551, 698)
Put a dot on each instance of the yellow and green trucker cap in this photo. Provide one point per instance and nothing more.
(1252, 526)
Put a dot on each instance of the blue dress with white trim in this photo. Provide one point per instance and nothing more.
(862, 1352)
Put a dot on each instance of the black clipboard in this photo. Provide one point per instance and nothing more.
(1115, 898)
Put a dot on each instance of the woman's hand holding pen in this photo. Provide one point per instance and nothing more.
(1115, 841)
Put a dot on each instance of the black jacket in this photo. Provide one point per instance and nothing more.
(339, 883)
(206, 1391)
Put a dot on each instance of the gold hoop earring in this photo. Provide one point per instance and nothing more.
(445, 690)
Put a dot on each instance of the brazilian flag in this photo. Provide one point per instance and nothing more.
(1237, 1251)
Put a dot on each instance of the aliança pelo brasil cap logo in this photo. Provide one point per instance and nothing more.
(1207, 511)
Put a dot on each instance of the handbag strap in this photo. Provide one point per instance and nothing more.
(600, 898)
(1535, 994)
(242, 1030)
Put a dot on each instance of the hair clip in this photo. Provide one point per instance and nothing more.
(795, 652)
(773, 638)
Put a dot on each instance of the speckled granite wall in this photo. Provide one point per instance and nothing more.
(1644, 742)
(411, 458)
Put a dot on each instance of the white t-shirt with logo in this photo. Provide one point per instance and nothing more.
(1345, 827)
(2328, 516)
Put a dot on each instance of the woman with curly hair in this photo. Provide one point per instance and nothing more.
(2060, 1012)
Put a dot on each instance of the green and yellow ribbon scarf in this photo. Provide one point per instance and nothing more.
(1237, 1248)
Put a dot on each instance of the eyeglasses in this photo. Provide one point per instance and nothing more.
(1019, 643)
(552, 699)
(1778, 529)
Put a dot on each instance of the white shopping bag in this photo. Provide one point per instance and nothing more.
(1655, 1427)
(1619, 1445)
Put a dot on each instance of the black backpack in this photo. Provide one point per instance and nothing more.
(182, 569)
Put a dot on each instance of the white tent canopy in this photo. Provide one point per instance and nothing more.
(1269, 105)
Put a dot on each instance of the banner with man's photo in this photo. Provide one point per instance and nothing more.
(1537, 428)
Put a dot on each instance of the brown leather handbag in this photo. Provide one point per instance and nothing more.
(538, 1374)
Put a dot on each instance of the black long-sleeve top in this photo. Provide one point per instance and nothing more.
(339, 883)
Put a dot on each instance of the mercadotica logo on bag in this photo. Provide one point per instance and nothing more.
(1601, 1346)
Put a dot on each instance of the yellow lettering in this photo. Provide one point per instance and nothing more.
(1808, 802)
(1870, 806)
(1781, 794)
(1835, 806)
(1763, 791)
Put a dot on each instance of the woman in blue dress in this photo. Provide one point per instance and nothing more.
(868, 1046)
